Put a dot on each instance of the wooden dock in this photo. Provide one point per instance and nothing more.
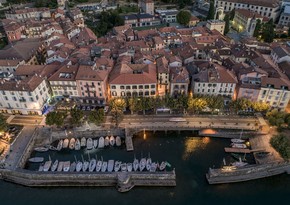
(245, 151)
(129, 143)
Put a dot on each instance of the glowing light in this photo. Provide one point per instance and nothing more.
(191, 144)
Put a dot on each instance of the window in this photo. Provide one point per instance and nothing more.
(122, 87)
(134, 87)
(6, 98)
(146, 93)
(36, 97)
(152, 86)
(146, 86)
(31, 99)
(140, 86)
(113, 87)
(140, 93)
(14, 98)
(114, 93)
(3, 92)
(128, 87)
(152, 92)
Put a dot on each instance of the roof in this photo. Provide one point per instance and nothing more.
(179, 75)
(276, 83)
(248, 13)
(91, 74)
(9, 62)
(65, 73)
(162, 65)
(266, 3)
(280, 51)
(137, 16)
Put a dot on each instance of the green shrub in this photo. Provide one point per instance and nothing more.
(281, 144)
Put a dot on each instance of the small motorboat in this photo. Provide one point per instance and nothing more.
(110, 165)
(237, 140)
(36, 159)
(72, 143)
(148, 163)
(101, 142)
(50, 147)
(112, 140)
(41, 149)
(135, 164)
(129, 167)
(92, 165)
(162, 166)
(153, 167)
(99, 166)
(40, 169)
(107, 141)
(60, 166)
(83, 142)
(142, 164)
(89, 144)
(77, 144)
(65, 143)
(118, 141)
(59, 145)
(117, 166)
(54, 165)
(125, 188)
(66, 166)
(104, 166)
(95, 144)
(72, 167)
(124, 167)
(241, 146)
(85, 166)
(79, 166)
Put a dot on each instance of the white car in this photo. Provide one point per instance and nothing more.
(106, 109)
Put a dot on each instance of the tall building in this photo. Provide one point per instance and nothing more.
(147, 6)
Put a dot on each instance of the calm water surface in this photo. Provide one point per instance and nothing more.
(190, 155)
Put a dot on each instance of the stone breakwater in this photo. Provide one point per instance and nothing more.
(231, 175)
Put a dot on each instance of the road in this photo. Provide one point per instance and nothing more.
(30, 120)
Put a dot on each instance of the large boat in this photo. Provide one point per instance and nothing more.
(41, 149)
(135, 164)
(101, 142)
(72, 143)
(99, 166)
(95, 144)
(237, 140)
(60, 166)
(162, 166)
(54, 165)
(124, 167)
(65, 143)
(107, 141)
(110, 165)
(112, 140)
(77, 144)
(83, 142)
(79, 166)
(241, 146)
(66, 166)
(89, 143)
(36, 159)
(142, 164)
(117, 166)
(129, 167)
(72, 167)
(92, 165)
(104, 166)
(59, 145)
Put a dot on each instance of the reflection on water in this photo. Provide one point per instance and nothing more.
(192, 144)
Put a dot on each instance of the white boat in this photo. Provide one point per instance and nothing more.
(153, 167)
(110, 165)
(148, 163)
(101, 142)
(124, 167)
(72, 143)
(85, 166)
(92, 165)
(239, 164)
(66, 166)
(162, 166)
(107, 141)
(135, 164)
(83, 142)
(79, 166)
(72, 167)
(112, 140)
(118, 141)
(89, 143)
(142, 164)
(60, 166)
(238, 140)
(36, 159)
(40, 169)
(65, 143)
(77, 144)
(59, 145)
(54, 165)
(241, 146)
(95, 144)
(129, 167)
(104, 166)
(117, 166)
(41, 149)
(99, 166)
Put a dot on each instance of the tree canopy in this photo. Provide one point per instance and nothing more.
(183, 17)
(97, 116)
(227, 24)
(76, 116)
(55, 118)
(211, 11)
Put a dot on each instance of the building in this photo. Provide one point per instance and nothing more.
(133, 80)
(280, 54)
(284, 19)
(179, 81)
(217, 25)
(140, 20)
(163, 71)
(147, 6)
(168, 16)
(193, 21)
(28, 13)
(269, 9)
(14, 30)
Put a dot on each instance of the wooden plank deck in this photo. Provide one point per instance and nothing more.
(237, 150)
(129, 143)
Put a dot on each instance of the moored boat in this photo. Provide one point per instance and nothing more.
(125, 188)
(41, 149)
(72, 143)
(148, 163)
(237, 156)
(112, 140)
(135, 164)
(59, 145)
(77, 144)
(72, 167)
(79, 166)
(60, 166)
(124, 167)
(47, 165)
(50, 147)
(40, 169)
(129, 167)
(92, 165)
(162, 166)
(99, 166)
(241, 146)
(66, 166)
(89, 143)
(110, 165)
(104, 166)
(95, 144)
(83, 142)
(65, 143)
(239, 164)
(142, 164)
(153, 167)
(118, 141)
(107, 141)
(117, 166)
(101, 142)
(85, 166)
(36, 159)
(54, 165)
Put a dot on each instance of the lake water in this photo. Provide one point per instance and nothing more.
(190, 155)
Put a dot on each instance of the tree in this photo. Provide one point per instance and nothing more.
(3, 123)
(268, 31)
(145, 103)
(232, 14)
(183, 17)
(76, 116)
(196, 104)
(211, 11)
(240, 104)
(277, 118)
(118, 104)
(215, 102)
(227, 24)
(97, 116)
(281, 144)
(117, 117)
(260, 106)
(257, 28)
(55, 118)
(133, 104)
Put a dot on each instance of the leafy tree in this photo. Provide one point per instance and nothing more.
(117, 117)
(3, 123)
(133, 104)
(260, 106)
(145, 103)
(257, 28)
(232, 14)
(118, 104)
(55, 118)
(196, 104)
(277, 118)
(240, 104)
(157, 102)
(227, 24)
(211, 11)
(281, 144)
(215, 102)
(183, 17)
(268, 31)
(76, 116)
(97, 116)
(181, 102)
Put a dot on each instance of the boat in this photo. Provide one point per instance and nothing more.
(50, 147)
(85, 164)
(36, 159)
(237, 141)
(125, 188)
(239, 164)
(89, 143)
(79, 166)
(148, 163)
(238, 156)
(47, 165)
(66, 166)
(99, 166)
(72, 167)
(60, 166)
(135, 164)
(153, 167)
(83, 142)
(54, 165)
(241, 146)
(104, 166)
(107, 141)
(142, 164)
(110, 165)
(92, 165)
(118, 141)
(40, 169)
(229, 168)
(101, 142)
(72, 143)
(117, 166)
(129, 167)
(41, 149)
(95, 144)
(162, 166)
(263, 154)
(65, 143)
(59, 145)
(124, 167)
(112, 140)
(77, 144)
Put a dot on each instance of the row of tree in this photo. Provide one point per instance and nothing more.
(278, 118)
(282, 145)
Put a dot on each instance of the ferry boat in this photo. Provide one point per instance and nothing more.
(129, 167)
(79, 166)
(66, 166)
(65, 144)
(95, 144)
(112, 140)
(99, 166)
(104, 166)
(72, 167)
(117, 166)
(101, 142)
(89, 144)
(60, 166)
(135, 164)
(54, 165)
(110, 165)
(118, 141)
(92, 165)
(72, 143)
(77, 144)
(107, 141)
(83, 142)
(41, 149)
(59, 145)
(162, 166)
(36, 159)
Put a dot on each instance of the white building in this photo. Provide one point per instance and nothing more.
(217, 25)
(147, 6)
(28, 13)
(280, 54)
(284, 19)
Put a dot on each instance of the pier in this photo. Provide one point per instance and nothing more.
(241, 150)
(128, 140)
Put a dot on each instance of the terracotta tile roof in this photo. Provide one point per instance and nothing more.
(27, 84)
(158, 40)
(92, 74)
(9, 62)
(179, 75)
(248, 14)
(65, 73)
(147, 33)
(277, 83)
(162, 65)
